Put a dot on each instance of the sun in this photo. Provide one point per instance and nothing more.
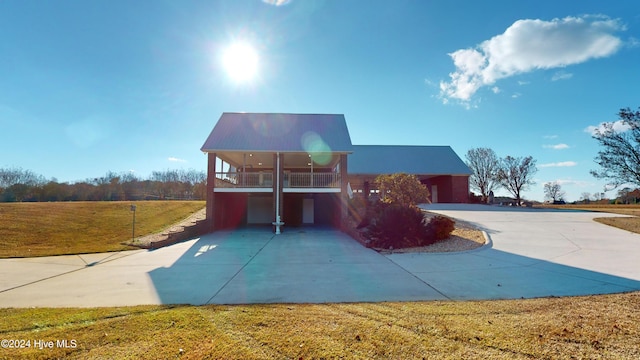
(240, 61)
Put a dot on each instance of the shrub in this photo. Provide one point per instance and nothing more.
(440, 227)
(398, 226)
(402, 189)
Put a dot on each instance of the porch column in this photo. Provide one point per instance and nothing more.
(344, 196)
(211, 180)
(277, 187)
(366, 190)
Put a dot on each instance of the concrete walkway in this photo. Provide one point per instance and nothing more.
(533, 253)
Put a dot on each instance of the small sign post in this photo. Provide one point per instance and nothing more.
(133, 224)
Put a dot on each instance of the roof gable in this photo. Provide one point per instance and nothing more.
(389, 159)
(279, 132)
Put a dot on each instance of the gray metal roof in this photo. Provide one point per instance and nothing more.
(389, 159)
(279, 132)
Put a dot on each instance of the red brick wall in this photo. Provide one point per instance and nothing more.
(451, 189)
(230, 210)
(460, 189)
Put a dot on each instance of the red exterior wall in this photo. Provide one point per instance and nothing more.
(230, 210)
(460, 189)
(451, 189)
(211, 179)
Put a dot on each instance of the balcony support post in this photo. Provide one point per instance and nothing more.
(344, 180)
(278, 175)
(211, 180)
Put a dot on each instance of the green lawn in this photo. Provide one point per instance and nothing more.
(42, 229)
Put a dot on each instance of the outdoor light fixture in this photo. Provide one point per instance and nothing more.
(133, 224)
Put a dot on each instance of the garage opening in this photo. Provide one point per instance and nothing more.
(260, 209)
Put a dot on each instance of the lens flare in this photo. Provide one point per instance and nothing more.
(319, 150)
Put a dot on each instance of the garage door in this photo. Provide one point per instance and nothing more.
(260, 209)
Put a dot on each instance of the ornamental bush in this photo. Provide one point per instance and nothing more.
(402, 189)
(398, 226)
(440, 227)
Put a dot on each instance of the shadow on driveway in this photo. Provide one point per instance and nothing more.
(325, 265)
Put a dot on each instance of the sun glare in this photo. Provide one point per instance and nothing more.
(240, 61)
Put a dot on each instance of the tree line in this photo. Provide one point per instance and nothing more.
(618, 162)
(18, 185)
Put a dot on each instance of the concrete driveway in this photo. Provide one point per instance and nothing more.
(533, 253)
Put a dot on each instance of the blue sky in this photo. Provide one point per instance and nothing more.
(88, 87)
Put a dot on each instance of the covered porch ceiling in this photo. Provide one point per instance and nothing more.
(264, 160)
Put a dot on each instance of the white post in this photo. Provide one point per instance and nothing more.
(278, 221)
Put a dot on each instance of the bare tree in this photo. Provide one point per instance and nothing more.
(586, 197)
(484, 166)
(623, 195)
(619, 160)
(553, 191)
(515, 174)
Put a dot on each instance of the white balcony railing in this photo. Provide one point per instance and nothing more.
(244, 179)
(308, 180)
(265, 180)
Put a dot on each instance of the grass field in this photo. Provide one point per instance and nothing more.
(41, 229)
(594, 327)
(626, 223)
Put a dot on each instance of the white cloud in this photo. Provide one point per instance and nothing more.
(556, 146)
(276, 2)
(495, 90)
(618, 126)
(175, 159)
(559, 164)
(550, 136)
(516, 95)
(430, 83)
(561, 75)
(520, 82)
(579, 183)
(528, 45)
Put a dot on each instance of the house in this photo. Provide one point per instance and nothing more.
(438, 167)
(267, 168)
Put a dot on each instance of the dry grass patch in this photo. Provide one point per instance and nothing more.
(556, 328)
(625, 223)
(42, 229)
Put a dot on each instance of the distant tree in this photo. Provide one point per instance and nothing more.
(402, 189)
(619, 158)
(484, 166)
(17, 184)
(623, 195)
(585, 197)
(515, 174)
(553, 191)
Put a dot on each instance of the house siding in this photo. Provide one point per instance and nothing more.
(460, 189)
(230, 210)
(451, 189)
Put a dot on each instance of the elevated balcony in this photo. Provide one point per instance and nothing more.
(263, 182)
